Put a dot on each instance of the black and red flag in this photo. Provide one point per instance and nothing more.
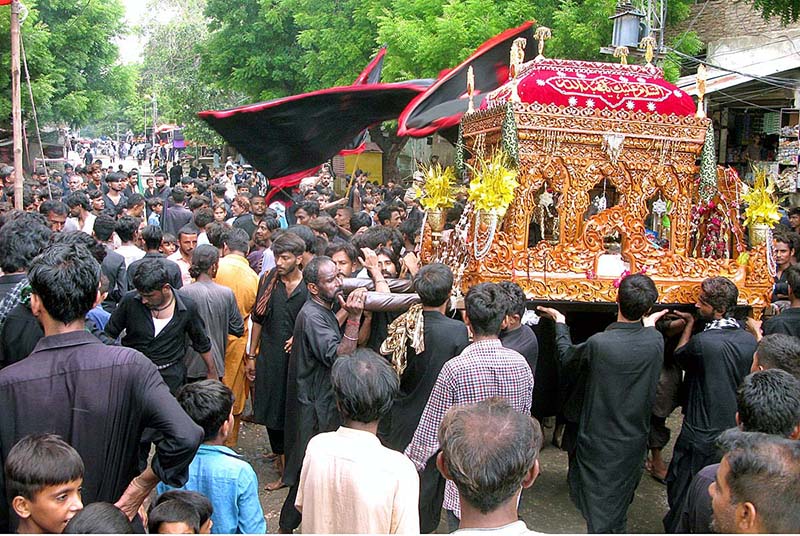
(288, 137)
(442, 104)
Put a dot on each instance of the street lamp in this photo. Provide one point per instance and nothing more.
(627, 21)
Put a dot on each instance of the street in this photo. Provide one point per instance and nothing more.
(545, 507)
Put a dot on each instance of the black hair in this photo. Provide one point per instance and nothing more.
(21, 240)
(364, 385)
(152, 236)
(75, 199)
(792, 276)
(794, 211)
(127, 227)
(385, 213)
(721, 294)
(486, 305)
(216, 233)
(134, 200)
(488, 448)
(516, 298)
(40, 460)
(359, 220)
(187, 230)
(204, 257)
(410, 228)
(780, 351)
(99, 518)
(768, 401)
(197, 202)
(65, 277)
(346, 247)
(373, 238)
(271, 222)
(325, 225)
(173, 511)
(151, 275)
(201, 504)
(116, 177)
(56, 207)
(237, 240)
(203, 216)
(433, 283)
(763, 471)
(208, 403)
(306, 235)
(636, 295)
(104, 227)
(309, 207)
(80, 238)
(311, 270)
(178, 195)
(288, 242)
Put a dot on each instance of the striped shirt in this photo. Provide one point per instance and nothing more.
(484, 369)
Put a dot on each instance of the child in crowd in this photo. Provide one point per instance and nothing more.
(99, 518)
(217, 471)
(44, 476)
(198, 501)
(173, 517)
(169, 244)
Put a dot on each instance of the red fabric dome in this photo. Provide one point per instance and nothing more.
(581, 84)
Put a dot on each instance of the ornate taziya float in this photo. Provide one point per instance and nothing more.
(581, 172)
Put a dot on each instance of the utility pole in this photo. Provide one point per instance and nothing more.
(16, 104)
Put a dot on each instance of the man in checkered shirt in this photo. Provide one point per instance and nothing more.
(484, 369)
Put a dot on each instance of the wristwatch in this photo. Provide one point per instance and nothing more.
(251, 357)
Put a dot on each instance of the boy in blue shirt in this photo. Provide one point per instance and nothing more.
(217, 471)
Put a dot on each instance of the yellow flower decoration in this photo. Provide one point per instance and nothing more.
(493, 183)
(439, 190)
(762, 206)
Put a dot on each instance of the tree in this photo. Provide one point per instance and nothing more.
(71, 52)
(170, 71)
(787, 10)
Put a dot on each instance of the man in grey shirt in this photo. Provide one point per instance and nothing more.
(217, 307)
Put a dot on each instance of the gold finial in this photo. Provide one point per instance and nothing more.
(517, 56)
(622, 53)
(542, 34)
(648, 44)
(701, 91)
(470, 89)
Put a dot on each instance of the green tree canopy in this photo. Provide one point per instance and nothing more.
(72, 58)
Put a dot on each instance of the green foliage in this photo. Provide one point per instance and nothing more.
(787, 10)
(687, 43)
(171, 74)
(71, 52)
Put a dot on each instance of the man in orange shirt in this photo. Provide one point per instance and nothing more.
(235, 273)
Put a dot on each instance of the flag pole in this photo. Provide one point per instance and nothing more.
(16, 103)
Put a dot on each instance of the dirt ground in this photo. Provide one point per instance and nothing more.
(545, 507)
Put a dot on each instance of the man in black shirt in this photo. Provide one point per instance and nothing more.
(516, 335)
(788, 321)
(97, 397)
(715, 361)
(157, 322)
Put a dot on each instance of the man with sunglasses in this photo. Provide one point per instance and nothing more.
(715, 361)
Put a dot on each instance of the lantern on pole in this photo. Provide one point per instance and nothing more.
(627, 24)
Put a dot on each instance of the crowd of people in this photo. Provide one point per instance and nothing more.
(140, 319)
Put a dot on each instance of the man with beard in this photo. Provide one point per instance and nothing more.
(162, 188)
(380, 265)
(249, 220)
(316, 343)
(158, 322)
(715, 361)
(281, 295)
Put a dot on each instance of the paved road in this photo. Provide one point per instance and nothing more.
(545, 507)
